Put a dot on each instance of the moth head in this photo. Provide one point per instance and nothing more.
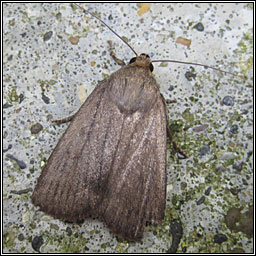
(142, 60)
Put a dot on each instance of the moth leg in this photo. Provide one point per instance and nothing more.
(64, 120)
(176, 147)
(22, 191)
(168, 101)
(112, 54)
(169, 134)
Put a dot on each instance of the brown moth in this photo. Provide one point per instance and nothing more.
(111, 161)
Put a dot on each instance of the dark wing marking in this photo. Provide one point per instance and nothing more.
(109, 164)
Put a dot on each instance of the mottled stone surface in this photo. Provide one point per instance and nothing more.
(47, 76)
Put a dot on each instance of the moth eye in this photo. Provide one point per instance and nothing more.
(151, 67)
(132, 60)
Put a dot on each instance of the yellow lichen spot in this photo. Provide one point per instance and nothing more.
(184, 41)
(169, 188)
(93, 63)
(144, 7)
(82, 95)
(26, 217)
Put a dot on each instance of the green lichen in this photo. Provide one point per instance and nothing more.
(11, 22)
(122, 247)
(176, 126)
(9, 239)
(13, 95)
(7, 79)
(105, 245)
(54, 226)
(46, 84)
(66, 244)
(245, 46)
(249, 6)
(188, 116)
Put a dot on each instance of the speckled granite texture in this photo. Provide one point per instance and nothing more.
(53, 56)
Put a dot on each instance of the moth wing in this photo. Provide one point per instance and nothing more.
(137, 189)
(68, 187)
(109, 164)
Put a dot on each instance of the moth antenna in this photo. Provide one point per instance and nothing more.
(86, 11)
(173, 61)
(198, 64)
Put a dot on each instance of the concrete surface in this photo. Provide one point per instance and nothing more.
(48, 73)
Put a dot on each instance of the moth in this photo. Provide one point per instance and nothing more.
(111, 161)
